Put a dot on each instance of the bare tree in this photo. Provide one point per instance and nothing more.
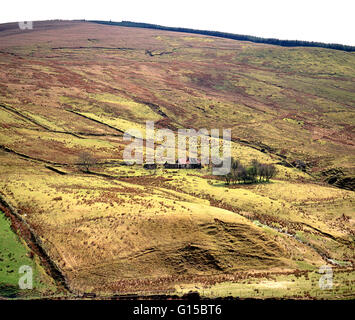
(232, 176)
(86, 161)
(270, 171)
(228, 178)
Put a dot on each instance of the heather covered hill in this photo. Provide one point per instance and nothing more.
(74, 87)
(297, 102)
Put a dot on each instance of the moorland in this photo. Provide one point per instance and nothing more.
(68, 87)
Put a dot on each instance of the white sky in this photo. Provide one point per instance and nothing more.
(312, 20)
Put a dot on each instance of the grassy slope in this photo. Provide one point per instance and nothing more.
(304, 95)
(14, 254)
(114, 236)
(299, 286)
(118, 229)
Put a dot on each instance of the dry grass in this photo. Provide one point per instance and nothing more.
(143, 228)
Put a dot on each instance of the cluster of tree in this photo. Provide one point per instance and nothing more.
(284, 43)
(86, 161)
(255, 172)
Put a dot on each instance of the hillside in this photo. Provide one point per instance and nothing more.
(68, 87)
(226, 35)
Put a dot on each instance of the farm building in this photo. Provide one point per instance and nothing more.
(184, 163)
(195, 163)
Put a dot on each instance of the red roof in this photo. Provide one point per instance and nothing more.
(183, 161)
(188, 161)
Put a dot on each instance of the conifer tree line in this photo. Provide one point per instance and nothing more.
(255, 172)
